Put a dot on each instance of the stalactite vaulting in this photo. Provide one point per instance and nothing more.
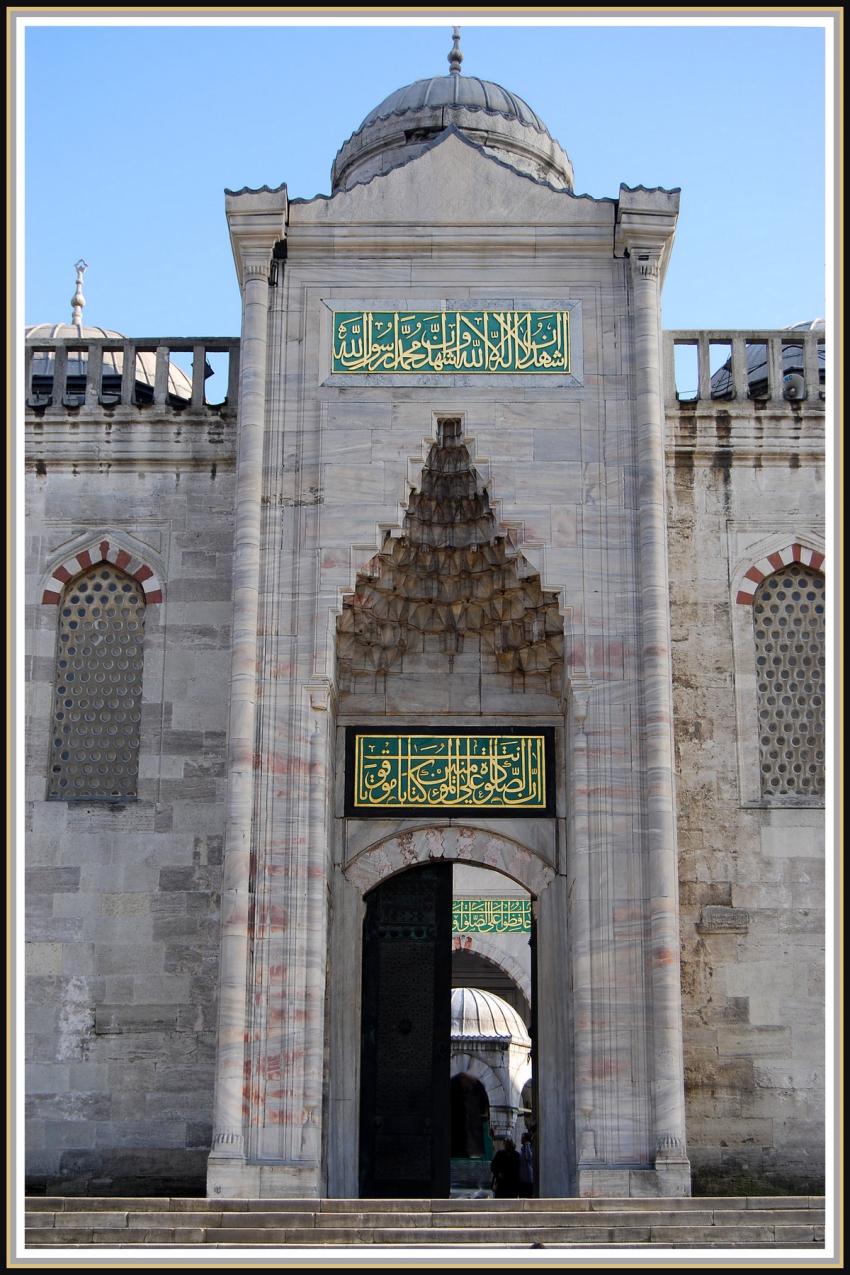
(451, 582)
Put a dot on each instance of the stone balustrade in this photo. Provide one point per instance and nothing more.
(125, 372)
(769, 367)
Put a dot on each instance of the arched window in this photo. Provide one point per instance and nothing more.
(94, 747)
(789, 627)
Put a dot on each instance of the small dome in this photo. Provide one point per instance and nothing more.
(179, 384)
(456, 90)
(478, 1015)
(809, 325)
(404, 123)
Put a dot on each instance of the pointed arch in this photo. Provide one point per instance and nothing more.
(108, 548)
(790, 554)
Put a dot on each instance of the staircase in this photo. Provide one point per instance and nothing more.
(702, 1222)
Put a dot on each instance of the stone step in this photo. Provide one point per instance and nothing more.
(109, 1220)
(718, 1222)
(160, 1204)
(548, 1237)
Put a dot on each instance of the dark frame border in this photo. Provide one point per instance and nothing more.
(451, 812)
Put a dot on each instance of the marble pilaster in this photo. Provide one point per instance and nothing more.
(254, 238)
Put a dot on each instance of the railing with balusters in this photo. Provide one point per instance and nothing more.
(770, 366)
(54, 388)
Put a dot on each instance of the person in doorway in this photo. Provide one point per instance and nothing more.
(505, 1170)
(526, 1165)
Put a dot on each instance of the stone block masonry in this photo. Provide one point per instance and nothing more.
(751, 869)
(122, 949)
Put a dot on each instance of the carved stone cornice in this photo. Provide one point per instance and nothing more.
(646, 222)
(257, 221)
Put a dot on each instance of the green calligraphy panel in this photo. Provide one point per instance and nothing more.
(480, 916)
(409, 773)
(451, 341)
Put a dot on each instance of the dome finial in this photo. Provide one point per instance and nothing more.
(78, 300)
(455, 57)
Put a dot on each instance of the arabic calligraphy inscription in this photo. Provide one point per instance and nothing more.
(480, 916)
(485, 341)
(419, 772)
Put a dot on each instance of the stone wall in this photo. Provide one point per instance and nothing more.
(122, 899)
(743, 480)
(122, 932)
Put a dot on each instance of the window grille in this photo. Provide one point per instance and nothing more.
(94, 754)
(788, 615)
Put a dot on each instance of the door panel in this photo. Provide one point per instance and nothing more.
(406, 1026)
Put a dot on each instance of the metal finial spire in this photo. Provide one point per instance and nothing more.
(455, 57)
(78, 300)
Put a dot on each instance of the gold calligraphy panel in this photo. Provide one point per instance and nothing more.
(480, 916)
(451, 341)
(448, 772)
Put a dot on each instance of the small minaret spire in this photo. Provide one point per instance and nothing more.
(78, 300)
(455, 57)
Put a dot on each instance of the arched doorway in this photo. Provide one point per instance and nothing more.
(471, 968)
(420, 1134)
(372, 864)
(470, 1116)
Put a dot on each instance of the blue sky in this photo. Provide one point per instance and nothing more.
(132, 134)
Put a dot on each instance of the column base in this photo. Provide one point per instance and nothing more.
(232, 1179)
(672, 1179)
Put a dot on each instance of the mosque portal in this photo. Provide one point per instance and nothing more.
(450, 657)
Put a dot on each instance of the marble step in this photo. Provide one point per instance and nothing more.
(159, 1204)
(153, 1219)
(764, 1221)
(548, 1237)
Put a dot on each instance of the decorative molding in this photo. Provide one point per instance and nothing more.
(668, 1146)
(231, 1138)
(258, 269)
(257, 190)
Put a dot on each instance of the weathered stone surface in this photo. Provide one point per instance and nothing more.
(752, 985)
(721, 919)
(727, 1222)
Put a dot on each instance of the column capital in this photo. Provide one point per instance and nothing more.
(255, 265)
(645, 263)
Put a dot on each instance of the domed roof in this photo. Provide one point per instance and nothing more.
(406, 121)
(456, 90)
(71, 332)
(478, 1015)
(809, 325)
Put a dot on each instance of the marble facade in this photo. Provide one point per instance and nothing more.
(665, 891)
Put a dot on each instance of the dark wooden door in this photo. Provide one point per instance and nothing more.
(405, 1118)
